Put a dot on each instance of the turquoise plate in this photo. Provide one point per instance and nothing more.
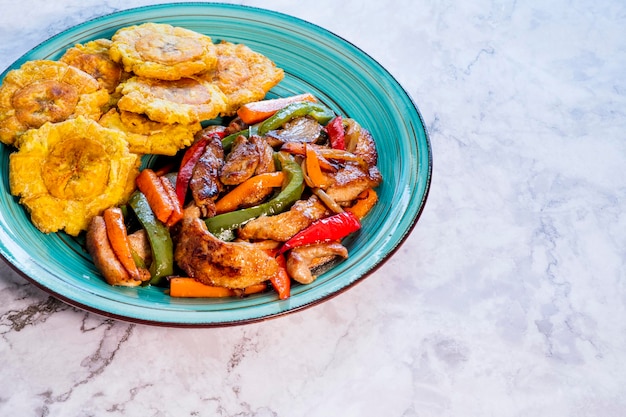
(314, 60)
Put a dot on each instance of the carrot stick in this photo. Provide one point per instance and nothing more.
(313, 168)
(118, 238)
(233, 199)
(255, 288)
(152, 187)
(281, 280)
(257, 111)
(364, 203)
(191, 288)
(177, 210)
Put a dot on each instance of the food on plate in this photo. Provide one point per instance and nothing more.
(185, 101)
(250, 192)
(94, 59)
(257, 111)
(302, 258)
(213, 261)
(239, 194)
(146, 136)
(203, 173)
(65, 173)
(157, 116)
(247, 157)
(242, 74)
(286, 224)
(105, 258)
(278, 222)
(46, 91)
(162, 51)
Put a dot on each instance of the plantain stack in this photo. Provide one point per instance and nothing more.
(81, 124)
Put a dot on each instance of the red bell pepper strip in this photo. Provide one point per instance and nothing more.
(336, 134)
(190, 158)
(328, 229)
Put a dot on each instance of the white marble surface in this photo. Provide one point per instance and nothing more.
(509, 297)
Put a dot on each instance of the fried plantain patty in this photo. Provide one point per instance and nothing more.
(46, 91)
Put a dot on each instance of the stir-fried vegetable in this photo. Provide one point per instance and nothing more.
(190, 158)
(328, 229)
(313, 168)
(161, 244)
(309, 169)
(317, 111)
(118, 238)
(258, 111)
(161, 196)
(190, 288)
(235, 198)
(223, 225)
(364, 203)
(282, 281)
(336, 133)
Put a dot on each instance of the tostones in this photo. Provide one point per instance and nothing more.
(146, 136)
(184, 101)
(68, 172)
(46, 91)
(243, 75)
(93, 58)
(162, 51)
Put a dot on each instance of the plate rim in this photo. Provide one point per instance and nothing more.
(4, 251)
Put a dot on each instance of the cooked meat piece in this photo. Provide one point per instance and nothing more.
(205, 183)
(241, 162)
(348, 182)
(104, 258)
(352, 179)
(366, 148)
(360, 142)
(215, 262)
(236, 125)
(266, 155)
(281, 227)
(141, 245)
(300, 259)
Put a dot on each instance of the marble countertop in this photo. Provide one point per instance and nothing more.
(508, 298)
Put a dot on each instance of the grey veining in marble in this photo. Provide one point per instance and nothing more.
(508, 298)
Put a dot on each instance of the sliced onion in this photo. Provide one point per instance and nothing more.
(327, 200)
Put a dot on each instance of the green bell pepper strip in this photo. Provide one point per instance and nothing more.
(223, 226)
(158, 236)
(316, 110)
